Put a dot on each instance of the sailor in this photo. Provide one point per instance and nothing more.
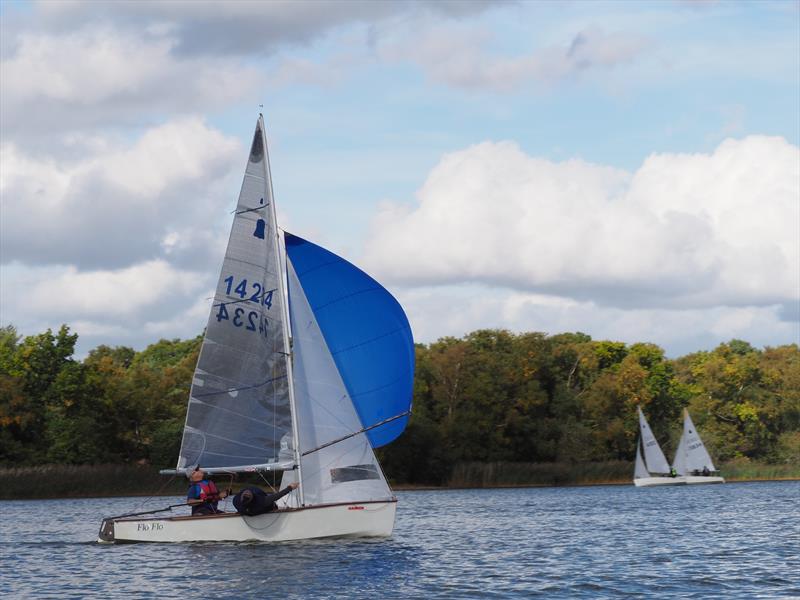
(673, 472)
(706, 472)
(253, 501)
(203, 495)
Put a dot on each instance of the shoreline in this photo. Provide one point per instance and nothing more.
(424, 488)
(395, 488)
(134, 480)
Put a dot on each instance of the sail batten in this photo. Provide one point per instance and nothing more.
(239, 389)
(231, 412)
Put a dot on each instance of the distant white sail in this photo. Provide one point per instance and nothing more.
(654, 458)
(692, 454)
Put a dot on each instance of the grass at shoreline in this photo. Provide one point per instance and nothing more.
(93, 481)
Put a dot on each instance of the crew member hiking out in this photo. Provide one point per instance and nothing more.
(253, 501)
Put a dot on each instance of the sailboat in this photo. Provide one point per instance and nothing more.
(692, 460)
(654, 460)
(306, 366)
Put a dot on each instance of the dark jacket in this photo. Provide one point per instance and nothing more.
(261, 503)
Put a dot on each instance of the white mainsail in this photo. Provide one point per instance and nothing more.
(692, 454)
(239, 407)
(653, 456)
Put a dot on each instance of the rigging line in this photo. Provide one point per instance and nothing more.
(364, 429)
(320, 265)
(254, 460)
(219, 437)
(350, 295)
(241, 261)
(147, 512)
(336, 459)
(228, 410)
(230, 348)
(240, 389)
(158, 493)
(267, 482)
(380, 387)
(208, 375)
(250, 299)
(369, 341)
(330, 413)
(247, 210)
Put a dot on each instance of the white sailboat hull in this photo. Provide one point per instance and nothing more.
(357, 519)
(698, 479)
(654, 481)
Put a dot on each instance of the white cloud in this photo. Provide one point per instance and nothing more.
(66, 292)
(102, 76)
(243, 26)
(186, 322)
(683, 231)
(461, 57)
(440, 311)
(120, 205)
(134, 305)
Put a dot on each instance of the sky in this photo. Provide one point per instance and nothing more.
(630, 170)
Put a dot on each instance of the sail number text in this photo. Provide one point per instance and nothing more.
(258, 294)
(240, 316)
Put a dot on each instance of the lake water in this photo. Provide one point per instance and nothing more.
(719, 541)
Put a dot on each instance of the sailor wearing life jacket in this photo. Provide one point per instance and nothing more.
(203, 494)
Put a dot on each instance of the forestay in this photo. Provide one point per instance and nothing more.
(239, 408)
(692, 454)
(654, 458)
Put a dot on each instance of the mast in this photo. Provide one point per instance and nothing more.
(280, 252)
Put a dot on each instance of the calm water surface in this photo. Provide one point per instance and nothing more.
(722, 541)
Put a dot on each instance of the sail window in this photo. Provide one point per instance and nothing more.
(354, 473)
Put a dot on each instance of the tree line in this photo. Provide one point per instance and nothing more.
(489, 396)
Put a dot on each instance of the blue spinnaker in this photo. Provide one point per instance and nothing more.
(366, 331)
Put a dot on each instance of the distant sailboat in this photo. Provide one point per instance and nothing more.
(307, 365)
(692, 461)
(654, 460)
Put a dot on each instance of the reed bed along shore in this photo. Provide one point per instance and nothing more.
(92, 481)
(479, 475)
(513, 474)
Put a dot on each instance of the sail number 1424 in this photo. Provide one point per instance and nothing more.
(239, 316)
(257, 294)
